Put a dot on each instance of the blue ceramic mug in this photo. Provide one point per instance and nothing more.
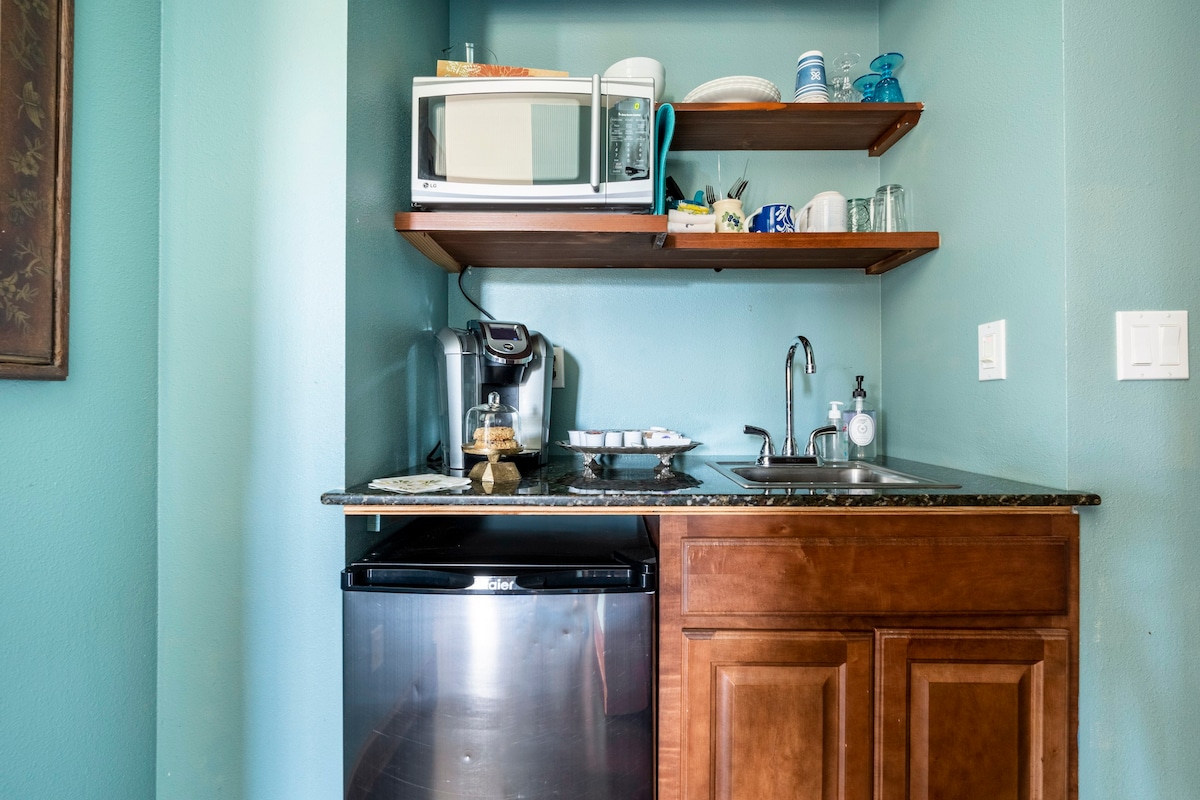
(773, 218)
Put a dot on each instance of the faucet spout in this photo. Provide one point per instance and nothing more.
(810, 366)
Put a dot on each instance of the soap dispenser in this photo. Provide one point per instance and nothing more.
(862, 434)
(832, 447)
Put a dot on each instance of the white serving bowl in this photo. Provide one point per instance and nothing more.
(640, 67)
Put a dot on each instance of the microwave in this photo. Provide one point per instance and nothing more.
(533, 143)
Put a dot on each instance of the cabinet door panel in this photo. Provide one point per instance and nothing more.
(777, 715)
(972, 714)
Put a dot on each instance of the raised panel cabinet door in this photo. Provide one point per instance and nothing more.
(963, 715)
(776, 715)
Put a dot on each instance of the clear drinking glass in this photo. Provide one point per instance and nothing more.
(843, 87)
(887, 209)
(469, 53)
(887, 88)
(858, 214)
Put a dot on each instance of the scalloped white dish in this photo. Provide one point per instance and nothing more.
(734, 89)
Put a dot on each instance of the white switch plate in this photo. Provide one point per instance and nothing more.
(993, 351)
(559, 380)
(1152, 345)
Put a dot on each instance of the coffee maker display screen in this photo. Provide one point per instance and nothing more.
(503, 334)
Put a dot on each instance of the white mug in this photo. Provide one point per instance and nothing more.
(825, 213)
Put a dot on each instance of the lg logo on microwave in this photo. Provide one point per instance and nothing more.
(429, 185)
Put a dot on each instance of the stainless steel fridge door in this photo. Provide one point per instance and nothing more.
(499, 696)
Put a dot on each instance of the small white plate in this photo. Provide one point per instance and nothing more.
(734, 89)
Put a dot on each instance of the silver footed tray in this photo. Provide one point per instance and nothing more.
(664, 452)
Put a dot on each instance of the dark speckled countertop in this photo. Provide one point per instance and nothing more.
(629, 481)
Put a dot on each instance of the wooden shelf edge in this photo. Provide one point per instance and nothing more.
(455, 240)
(873, 127)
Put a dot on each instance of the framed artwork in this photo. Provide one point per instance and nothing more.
(35, 186)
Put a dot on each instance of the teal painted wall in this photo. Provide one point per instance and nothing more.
(1131, 245)
(251, 398)
(1056, 201)
(395, 297)
(667, 348)
(77, 458)
(985, 167)
(247, 374)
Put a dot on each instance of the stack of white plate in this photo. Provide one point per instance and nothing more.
(734, 89)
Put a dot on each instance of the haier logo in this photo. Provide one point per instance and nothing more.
(495, 583)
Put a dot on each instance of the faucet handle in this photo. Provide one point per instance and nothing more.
(768, 449)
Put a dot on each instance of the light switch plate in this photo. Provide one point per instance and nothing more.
(1152, 345)
(993, 351)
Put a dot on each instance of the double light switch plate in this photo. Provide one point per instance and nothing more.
(1152, 345)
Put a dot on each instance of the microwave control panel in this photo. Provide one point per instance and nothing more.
(629, 140)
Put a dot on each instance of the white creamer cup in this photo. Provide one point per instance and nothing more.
(825, 213)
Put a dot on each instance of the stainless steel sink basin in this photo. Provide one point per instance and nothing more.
(848, 474)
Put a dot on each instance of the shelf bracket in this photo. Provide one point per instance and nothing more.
(660, 239)
(894, 133)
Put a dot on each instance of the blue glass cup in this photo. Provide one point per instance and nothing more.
(887, 88)
(866, 85)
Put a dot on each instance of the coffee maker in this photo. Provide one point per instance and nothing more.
(502, 357)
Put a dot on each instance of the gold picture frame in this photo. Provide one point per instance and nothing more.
(36, 43)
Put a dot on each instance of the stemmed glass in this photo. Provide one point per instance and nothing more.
(866, 85)
(887, 89)
(844, 91)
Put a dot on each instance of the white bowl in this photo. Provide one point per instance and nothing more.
(640, 67)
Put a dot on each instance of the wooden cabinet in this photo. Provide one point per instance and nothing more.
(860, 654)
(777, 714)
(972, 714)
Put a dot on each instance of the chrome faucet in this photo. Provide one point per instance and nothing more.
(788, 455)
(789, 437)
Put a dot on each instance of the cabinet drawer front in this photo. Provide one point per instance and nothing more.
(852, 575)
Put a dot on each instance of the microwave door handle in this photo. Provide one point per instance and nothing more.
(595, 133)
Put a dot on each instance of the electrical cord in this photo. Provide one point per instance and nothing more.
(432, 460)
(469, 298)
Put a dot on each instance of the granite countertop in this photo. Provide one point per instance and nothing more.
(630, 481)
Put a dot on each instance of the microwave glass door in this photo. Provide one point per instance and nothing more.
(509, 139)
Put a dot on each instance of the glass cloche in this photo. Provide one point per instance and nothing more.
(492, 427)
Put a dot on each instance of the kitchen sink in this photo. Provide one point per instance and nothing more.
(836, 475)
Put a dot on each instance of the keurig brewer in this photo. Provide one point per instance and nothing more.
(502, 357)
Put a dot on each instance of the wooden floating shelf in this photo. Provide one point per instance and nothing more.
(575, 240)
(873, 127)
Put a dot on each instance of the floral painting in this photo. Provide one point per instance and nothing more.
(35, 137)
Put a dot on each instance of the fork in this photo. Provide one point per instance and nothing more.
(709, 194)
(738, 187)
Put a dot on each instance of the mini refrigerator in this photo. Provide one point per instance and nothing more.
(501, 658)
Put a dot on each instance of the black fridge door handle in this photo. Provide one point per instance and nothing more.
(407, 578)
(581, 578)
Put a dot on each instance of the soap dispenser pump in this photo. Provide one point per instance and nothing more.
(861, 430)
(833, 447)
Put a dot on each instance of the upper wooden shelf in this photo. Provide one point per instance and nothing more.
(873, 127)
(458, 239)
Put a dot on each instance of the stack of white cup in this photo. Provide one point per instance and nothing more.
(810, 78)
